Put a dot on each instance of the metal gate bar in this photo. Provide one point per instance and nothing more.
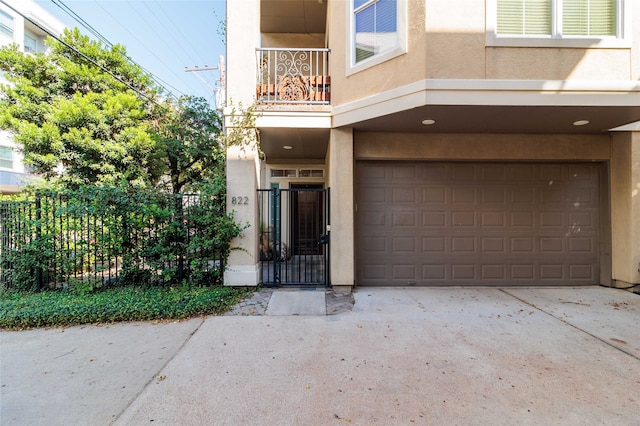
(294, 236)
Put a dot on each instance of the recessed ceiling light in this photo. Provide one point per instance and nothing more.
(581, 122)
(287, 147)
(428, 122)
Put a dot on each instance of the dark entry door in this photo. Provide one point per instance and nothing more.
(308, 224)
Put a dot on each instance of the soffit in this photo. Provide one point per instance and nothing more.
(309, 144)
(503, 119)
(293, 16)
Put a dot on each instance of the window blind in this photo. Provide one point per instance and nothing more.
(524, 17)
(376, 27)
(589, 17)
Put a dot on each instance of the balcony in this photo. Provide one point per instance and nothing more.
(293, 77)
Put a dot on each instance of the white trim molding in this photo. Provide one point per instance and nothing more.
(489, 93)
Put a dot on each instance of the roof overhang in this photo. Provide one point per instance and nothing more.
(495, 106)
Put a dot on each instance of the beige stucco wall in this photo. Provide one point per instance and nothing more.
(397, 72)
(411, 146)
(242, 181)
(454, 39)
(543, 63)
(293, 40)
(625, 208)
(447, 40)
(340, 180)
(243, 36)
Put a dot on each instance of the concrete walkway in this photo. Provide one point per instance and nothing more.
(399, 356)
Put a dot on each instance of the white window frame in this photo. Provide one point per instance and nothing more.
(12, 159)
(35, 42)
(623, 38)
(400, 49)
(6, 31)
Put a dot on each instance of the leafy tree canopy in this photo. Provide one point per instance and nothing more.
(188, 145)
(92, 111)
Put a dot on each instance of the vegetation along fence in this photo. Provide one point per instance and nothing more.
(96, 238)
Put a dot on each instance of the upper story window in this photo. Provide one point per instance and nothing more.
(378, 31)
(6, 24)
(30, 44)
(376, 25)
(557, 23)
(6, 157)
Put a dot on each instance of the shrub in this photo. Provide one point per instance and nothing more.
(67, 307)
(113, 235)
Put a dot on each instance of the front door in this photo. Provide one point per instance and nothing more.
(307, 224)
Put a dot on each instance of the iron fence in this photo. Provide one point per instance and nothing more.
(294, 241)
(56, 240)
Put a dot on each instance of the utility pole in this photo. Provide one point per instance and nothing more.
(219, 90)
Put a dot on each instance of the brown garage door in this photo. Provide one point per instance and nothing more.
(420, 223)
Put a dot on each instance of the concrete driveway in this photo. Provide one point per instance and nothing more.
(400, 356)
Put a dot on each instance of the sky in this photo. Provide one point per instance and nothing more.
(163, 36)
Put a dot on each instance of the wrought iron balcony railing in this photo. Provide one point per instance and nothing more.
(293, 76)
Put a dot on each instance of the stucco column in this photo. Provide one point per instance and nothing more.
(625, 209)
(243, 36)
(243, 266)
(341, 168)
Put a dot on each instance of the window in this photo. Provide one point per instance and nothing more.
(6, 24)
(559, 23)
(589, 17)
(283, 173)
(377, 31)
(376, 27)
(6, 157)
(557, 18)
(30, 44)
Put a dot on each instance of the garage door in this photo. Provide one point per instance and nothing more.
(420, 223)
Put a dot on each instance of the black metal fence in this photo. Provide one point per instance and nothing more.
(56, 240)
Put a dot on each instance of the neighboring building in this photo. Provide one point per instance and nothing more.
(464, 142)
(14, 28)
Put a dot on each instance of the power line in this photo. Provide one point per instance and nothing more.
(159, 36)
(197, 53)
(142, 44)
(80, 20)
(56, 37)
(160, 82)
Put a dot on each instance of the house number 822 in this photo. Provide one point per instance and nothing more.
(239, 200)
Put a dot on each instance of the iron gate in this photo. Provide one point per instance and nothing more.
(294, 235)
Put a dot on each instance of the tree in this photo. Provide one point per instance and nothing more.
(80, 106)
(188, 145)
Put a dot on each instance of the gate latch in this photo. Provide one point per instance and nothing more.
(324, 239)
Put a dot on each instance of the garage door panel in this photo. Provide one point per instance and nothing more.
(434, 219)
(466, 223)
(404, 218)
(522, 195)
(433, 195)
(403, 195)
(492, 219)
(463, 195)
